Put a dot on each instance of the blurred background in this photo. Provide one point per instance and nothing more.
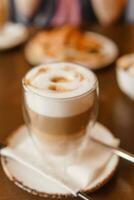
(58, 12)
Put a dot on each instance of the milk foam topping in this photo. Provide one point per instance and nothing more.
(50, 89)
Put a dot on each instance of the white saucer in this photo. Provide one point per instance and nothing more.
(12, 35)
(34, 183)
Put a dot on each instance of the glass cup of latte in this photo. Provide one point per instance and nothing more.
(60, 102)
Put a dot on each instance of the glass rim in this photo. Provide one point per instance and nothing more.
(28, 89)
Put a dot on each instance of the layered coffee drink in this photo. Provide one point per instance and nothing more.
(60, 101)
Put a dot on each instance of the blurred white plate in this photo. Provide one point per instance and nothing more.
(106, 55)
(125, 79)
(12, 35)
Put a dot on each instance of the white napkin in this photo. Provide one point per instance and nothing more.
(94, 159)
(82, 171)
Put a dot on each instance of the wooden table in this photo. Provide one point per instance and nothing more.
(116, 112)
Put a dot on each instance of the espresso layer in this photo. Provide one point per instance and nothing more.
(60, 126)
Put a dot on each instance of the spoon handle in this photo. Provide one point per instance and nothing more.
(83, 196)
(116, 150)
(124, 154)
